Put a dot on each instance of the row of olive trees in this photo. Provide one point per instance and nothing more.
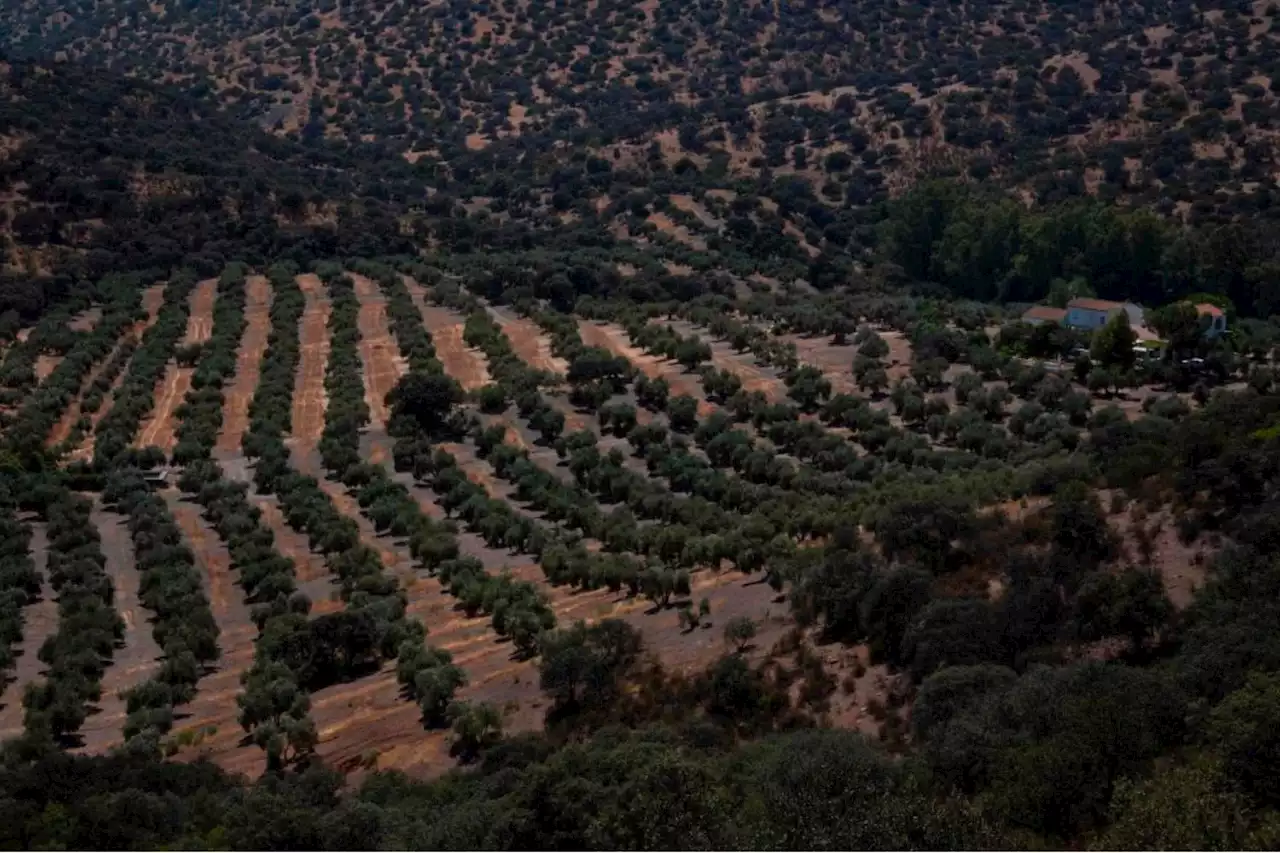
(275, 707)
(271, 409)
(171, 587)
(20, 582)
(89, 627)
(52, 335)
(424, 404)
(296, 654)
(135, 398)
(96, 394)
(46, 405)
(346, 411)
(200, 414)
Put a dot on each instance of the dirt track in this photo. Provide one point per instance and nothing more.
(257, 314)
(379, 354)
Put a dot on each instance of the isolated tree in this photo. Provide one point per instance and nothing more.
(682, 413)
(872, 346)
(476, 727)
(582, 667)
(739, 632)
(691, 352)
(870, 376)
(276, 713)
(428, 398)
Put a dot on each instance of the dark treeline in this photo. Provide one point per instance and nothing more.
(980, 244)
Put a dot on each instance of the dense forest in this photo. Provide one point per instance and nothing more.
(483, 425)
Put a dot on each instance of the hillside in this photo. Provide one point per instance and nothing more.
(529, 112)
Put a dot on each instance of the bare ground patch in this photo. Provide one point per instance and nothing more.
(257, 315)
(379, 354)
(309, 398)
(835, 361)
(45, 365)
(158, 429)
(465, 364)
(899, 360)
(529, 341)
(214, 706)
(200, 322)
(86, 321)
(614, 338)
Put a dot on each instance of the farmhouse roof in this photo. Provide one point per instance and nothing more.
(1045, 312)
(1211, 310)
(1096, 304)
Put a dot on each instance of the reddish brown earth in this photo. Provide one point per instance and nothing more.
(86, 321)
(754, 376)
(45, 365)
(899, 359)
(313, 575)
(835, 362)
(158, 430)
(463, 363)
(200, 322)
(215, 702)
(152, 300)
(529, 341)
(257, 314)
(139, 657)
(309, 399)
(40, 621)
(614, 338)
(379, 353)
(63, 427)
(1183, 568)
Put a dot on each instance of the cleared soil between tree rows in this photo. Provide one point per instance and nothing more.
(368, 722)
(139, 657)
(463, 363)
(754, 376)
(835, 361)
(528, 340)
(214, 706)
(379, 353)
(257, 315)
(614, 339)
(152, 300)
(309, 399)
(40, 620)
(158, 430)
